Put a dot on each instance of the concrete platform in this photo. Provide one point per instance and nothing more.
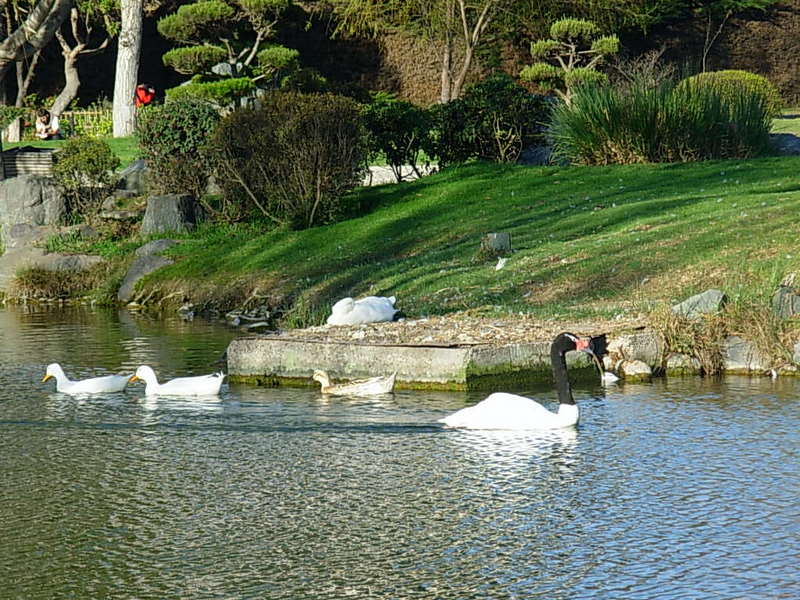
(271, 360)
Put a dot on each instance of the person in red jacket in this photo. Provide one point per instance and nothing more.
(144, 94)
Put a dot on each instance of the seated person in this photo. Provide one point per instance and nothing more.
(144, 94)
(46, 125)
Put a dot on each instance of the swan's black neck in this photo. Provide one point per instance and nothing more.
(561, 345)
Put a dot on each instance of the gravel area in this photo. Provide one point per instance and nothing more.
(458, 329)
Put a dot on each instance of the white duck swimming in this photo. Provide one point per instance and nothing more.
(359, 387)
(372, 309)
(509, 411)
(95, 385)
(201, 385)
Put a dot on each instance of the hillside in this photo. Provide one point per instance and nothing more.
(589, 242)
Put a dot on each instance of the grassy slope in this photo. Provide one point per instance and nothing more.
(588, 241)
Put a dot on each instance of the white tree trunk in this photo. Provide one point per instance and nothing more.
(130, 43)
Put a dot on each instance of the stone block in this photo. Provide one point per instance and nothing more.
(683, 364)
(31, 199)
(646, 346)
(709, 301)
(171, 212)
(272, 359)
(741, 356)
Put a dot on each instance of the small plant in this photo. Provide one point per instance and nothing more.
(85, 168)
(174, 138)
(398, 131)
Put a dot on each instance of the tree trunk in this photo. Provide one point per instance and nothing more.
(130, 42)
(34, 34)
(72, 83)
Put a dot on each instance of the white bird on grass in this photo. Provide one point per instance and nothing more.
(95, 385)
(359, 387)
(372, 309)
(201, 385)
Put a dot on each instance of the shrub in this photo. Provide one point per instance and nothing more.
(292, 159)
(84, 168)
(221, 94)
(173, 138)
(398, 130)
(640, 123)
(731, 84)
(494, 120)
(194, 59)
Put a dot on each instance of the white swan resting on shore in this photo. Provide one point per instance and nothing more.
(95, 385)
(372, 309)
(201, 385)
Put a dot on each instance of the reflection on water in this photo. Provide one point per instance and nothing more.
(679, 489)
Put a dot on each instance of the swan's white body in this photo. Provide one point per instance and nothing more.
(96, 385)
(509, 411)
(201, 385)
(359, 387)
(608, 377)
(372, 309)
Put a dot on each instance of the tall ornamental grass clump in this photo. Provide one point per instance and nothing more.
(292, 159)
(643, 123)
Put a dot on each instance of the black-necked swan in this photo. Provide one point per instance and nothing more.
(200, 385)
(372, 309)
(373, 386)
(509, 411)
(95, 385)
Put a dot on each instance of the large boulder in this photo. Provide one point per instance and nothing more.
(742, 356)
(31, 199)
(171, 212)
(710, 301)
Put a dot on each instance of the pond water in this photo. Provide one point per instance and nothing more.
(678, 489)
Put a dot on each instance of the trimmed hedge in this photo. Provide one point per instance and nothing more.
(730, 84)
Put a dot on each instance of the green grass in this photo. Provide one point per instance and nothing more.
(788, 122)
(589, 242)
(126, 148)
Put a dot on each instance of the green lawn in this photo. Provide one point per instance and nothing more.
(788, 122)
(588, 241)
(127, 148)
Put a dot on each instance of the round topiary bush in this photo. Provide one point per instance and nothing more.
(731, 83)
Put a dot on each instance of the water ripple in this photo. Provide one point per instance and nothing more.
(675, 490)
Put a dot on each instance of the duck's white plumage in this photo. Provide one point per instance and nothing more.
(509, 411)
(96, 385)
(372, 309)
(200, 385)
(373, 386)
